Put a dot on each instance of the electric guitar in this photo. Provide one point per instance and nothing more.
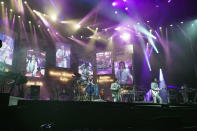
(63, 58)
(156, 91)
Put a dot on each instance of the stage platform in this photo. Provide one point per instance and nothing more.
(71, 115)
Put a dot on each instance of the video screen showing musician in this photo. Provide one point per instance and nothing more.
(62, 55)
(6, 51)
(123, 72)
(35, 62)
(85, 69)
(104, 63)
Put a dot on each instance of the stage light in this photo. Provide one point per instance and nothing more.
(171, 25)
(11, 10)
(72, 36)
(147, 21)
(44, 15)
(29, 22)
(25, 2)
(2, 3)
(110, 38)
(77, 26)
(114, 4)
(56, 33)
(38, 26)
(48, 29)
(53, 17)
(182, 22)
(130, 48)
(124, 0)
(126, 8)
(81, 36)
(116, 12)
(160, 28)
(19, 16)
(96, 28)
(150, 30)
(117, 28)
(88, 27)
(125, 36)
(138, 23)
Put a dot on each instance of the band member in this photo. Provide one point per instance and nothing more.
(90, 88)
(184, 93)
(62, 57)
(32, 66)
(155, 91)
(123, 74)
(85, 71)
(115, 88)
(102, 94)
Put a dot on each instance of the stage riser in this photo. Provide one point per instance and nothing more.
(29, 115)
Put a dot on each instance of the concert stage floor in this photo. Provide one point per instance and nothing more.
(32, 115)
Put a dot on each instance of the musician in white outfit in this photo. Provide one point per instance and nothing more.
(62, 57)
(32, 66)
(123, 74)
(155, 91)
(115, 88)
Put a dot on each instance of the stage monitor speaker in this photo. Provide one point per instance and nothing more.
(4, 99)
(35, 92)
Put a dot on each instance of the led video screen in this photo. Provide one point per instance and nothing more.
(62, 55)
(104, 63)
(85, 69)
(35, 63)
(123, 72)
(6, 51)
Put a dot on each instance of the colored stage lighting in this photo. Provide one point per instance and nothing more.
(125, 36)
(53, 17)
(2, 3)
(114, 4)
(130, 48)
(117, 28)
(77, 26)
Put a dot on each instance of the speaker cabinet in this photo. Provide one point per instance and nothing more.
(35, 92)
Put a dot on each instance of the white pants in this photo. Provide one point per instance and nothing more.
(155, 97)
(63, 64)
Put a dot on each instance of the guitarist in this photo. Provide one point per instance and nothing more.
(115, 88)
(155, 91)
(62, 57)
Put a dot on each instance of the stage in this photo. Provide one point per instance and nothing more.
(72, 115)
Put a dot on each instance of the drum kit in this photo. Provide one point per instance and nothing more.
(127, 93)
(86, 90)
